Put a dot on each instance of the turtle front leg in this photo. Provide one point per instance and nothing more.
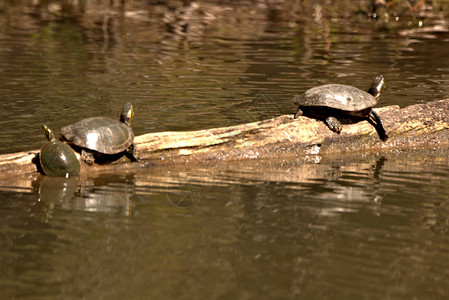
(132, 150)
(333, 124)
(376, 121)
(87, 157)
(299, 112)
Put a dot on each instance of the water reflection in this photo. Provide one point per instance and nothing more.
(339, 188)
(271, 229)
(114, 193)
(54, 190)
(105, 194)
(185, 187)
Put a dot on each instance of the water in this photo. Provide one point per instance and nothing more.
(365, 227)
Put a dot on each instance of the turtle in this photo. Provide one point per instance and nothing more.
(57, 159)
(101, 136)
(335, 102)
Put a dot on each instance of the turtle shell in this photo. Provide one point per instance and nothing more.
(337, 96)
(100, 134)
(58, 160)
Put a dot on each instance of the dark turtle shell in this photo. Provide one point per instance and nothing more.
(337, 96)
(58, 160)
(100, 134)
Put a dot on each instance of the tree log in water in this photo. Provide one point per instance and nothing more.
(415, 126)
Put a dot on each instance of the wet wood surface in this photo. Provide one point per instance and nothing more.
(412, 127)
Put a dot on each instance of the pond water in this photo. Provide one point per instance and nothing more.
(365, 227)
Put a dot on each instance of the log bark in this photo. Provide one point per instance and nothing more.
(412, 127)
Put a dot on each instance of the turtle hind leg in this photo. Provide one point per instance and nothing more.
(376, 121)
(87, 157)
(333, 124)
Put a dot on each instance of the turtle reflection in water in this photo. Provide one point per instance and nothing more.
(332, 102)
(102, 137)
(57, 159)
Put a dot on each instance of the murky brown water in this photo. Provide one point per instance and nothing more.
(373, 227)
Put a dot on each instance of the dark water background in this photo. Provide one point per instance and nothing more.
(373, 227)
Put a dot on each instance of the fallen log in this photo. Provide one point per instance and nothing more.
(412, 127)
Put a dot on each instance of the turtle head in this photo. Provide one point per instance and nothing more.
(127, 114)
(48, 133)
(376, 86)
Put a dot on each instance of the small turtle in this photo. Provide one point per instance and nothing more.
(100, 136)
(57, 159)
(331, 102)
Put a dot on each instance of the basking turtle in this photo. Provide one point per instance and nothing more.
(102, 136)
(331, 102)
(57, 158)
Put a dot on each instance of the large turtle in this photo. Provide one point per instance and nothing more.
(100, 136)
(332, 102)
(57, 159)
